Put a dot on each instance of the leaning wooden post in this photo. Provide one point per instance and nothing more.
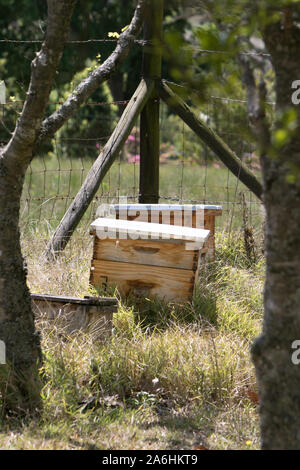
(99, 169)
(211, 139)
(149, 124)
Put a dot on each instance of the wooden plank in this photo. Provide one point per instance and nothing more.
(172, 214)
(168, 217)
(146, 281)
(73, 314)
(92, 301)
(214, 142)
(133, 210)
(117, 228)
(163, 207)
(209, 224)
(165, 213)
(214, 212)
(99, 169)
(150, 125)
(148, 252)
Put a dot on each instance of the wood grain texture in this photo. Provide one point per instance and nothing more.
(150, 123)
(209, 224)
(168, 216)
(99, 169)
(176, 217)
(124, 229)
(73, 316)
(148, 252)
(170, 284)
(211, 139)
(90, 301)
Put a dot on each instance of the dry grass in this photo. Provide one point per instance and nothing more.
(171, 376)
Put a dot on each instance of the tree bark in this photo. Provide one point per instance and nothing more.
(83, 91)
(99, 169)
(19, 384)
(19, 380)
(149, 123)
(278, 377)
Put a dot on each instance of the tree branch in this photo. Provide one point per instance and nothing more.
(96, 78)
(18, 151)
(99, 169)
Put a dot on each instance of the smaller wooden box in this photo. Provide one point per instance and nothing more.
(146, 259)
(185, 215)
(93, 314)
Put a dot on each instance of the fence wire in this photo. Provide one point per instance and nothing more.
(189, 172)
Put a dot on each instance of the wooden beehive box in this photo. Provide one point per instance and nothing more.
(187, 215)
(146, 259)
(93, 314)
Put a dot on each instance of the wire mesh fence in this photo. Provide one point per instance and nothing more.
(189, 172)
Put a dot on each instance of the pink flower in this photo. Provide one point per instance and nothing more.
(134, 159)
(216, 165)
(131, 138)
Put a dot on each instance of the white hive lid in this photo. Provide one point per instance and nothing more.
(117, 228)
(164, 207)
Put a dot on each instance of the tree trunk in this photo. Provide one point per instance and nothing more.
(278, 378)
(19, 383)
(19, 378)
(85, 88)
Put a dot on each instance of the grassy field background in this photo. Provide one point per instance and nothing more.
(52, 182)
(171, 376)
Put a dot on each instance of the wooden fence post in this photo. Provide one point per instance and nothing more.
(211, 139)
(149, 123)
(99, 169)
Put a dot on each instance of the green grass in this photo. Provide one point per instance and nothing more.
(170, 377)
(51, 184)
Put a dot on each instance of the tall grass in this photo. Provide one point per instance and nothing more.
(171, 376)
(52, 183)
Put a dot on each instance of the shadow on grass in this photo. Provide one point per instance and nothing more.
(157, 314)
(157, 426)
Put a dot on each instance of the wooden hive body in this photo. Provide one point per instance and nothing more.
(93, 314)
(160, 263)
(188, 215)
